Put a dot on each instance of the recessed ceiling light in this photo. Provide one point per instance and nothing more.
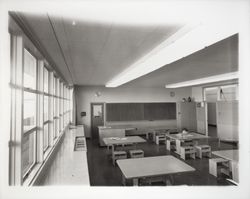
(205, 80)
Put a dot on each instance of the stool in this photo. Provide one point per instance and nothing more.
(171, 145)
(118, 155)
(187, 150)
(218, 165)
(160, 138)
(138, 153)
(203, 150)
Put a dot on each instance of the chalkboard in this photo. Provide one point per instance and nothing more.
(140, 111)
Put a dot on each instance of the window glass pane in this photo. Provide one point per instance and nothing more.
(228, 93)
(46, 81)
(54, 110)
(211, 94)
(29, 76)
(29, 110)
(46, 108)
(28, 151)
(55, 129)
(45, 136)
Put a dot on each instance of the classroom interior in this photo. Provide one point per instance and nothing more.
(123, 101)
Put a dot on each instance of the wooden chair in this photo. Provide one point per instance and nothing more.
(138, 153)
(116, 155)
(203, 150)
(170, 145)
(218, 166)
(160, 138)
(187, 150)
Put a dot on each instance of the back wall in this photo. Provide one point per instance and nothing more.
(87, 94)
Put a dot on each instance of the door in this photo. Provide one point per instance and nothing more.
(97, 118)
(201, 116)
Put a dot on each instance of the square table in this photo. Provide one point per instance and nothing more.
(138, 168)
(179, 137)
(112, 141)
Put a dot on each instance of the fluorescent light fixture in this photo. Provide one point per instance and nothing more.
(205, 80)
(188, 40)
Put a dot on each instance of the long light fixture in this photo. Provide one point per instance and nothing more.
(205, 80)
(186, 41)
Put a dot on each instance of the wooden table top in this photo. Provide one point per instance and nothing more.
(152, 166)
(228, 154)
(123, 140)
(188, 136)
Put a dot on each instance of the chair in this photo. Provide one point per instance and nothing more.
(138, 153)
(187, 150)
(218, 166)
(170, 145)
(160, 138)
(203, 150)
(116, 155)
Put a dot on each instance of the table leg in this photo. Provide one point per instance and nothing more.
(147, 136)
(123, 180)
(135, 182)
(178, 146)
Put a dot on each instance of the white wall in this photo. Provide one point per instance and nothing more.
(86, 94)
(197, 94)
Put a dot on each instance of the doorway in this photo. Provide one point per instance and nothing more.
(211, 97)
(97, 118)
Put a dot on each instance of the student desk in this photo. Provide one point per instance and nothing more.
(138, 168)
(112, 141)
(179, 137)
(233, 157)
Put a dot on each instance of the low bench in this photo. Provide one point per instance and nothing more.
(218, 166)
(118, 155)
(187, 150)
(203, 150)
(136, 153)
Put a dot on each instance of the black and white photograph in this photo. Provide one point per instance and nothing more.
(125, 99)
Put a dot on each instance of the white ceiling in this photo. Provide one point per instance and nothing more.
(93, 53)
(106, 41)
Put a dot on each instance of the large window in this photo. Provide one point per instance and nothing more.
(38, 112)
(29, 113)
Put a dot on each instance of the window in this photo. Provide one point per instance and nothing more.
(28, 151)
(45, 136)
(29, 77)
(37, 99)
(46, 80)
(229, 93)
(221, 93)
(29, 113)
(46, 109)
